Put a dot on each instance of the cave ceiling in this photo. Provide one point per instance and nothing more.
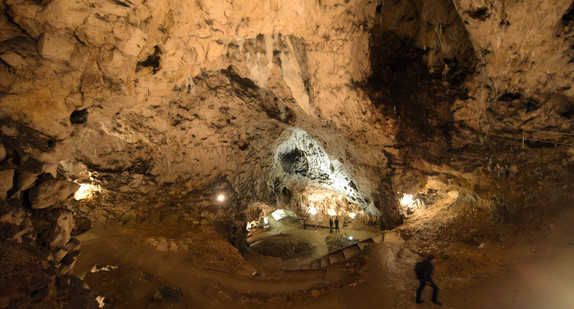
(153, 104)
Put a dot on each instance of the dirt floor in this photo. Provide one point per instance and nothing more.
(283, 246)
(188, 267)
(320, 238)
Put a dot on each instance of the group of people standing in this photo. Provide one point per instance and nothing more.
(336, 224)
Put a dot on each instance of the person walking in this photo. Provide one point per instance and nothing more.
(336, 224)
(424, 272)
(330, 225)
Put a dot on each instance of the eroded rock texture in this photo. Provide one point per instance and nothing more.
(156, 107)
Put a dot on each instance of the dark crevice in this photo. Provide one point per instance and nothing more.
(569, 15)
(152, 61)
(11, 20)
(79, 116)
(407, 86)
(509, 96)
(294, 162)
(480, 14)
(122, 3)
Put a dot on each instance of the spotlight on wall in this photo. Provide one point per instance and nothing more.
(352, 215)
(86, 191)
(409, 203)
(279, 214)
(407, 200)
(221, 198)
(312, 210)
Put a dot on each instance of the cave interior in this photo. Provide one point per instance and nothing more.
(295, 154)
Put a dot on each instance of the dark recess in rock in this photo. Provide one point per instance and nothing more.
(152, 61)
(418, 93)
(24, 47)
(121, 3)
(399, 72)
(79, 116)
(531, 105)
(569, 15)
(353, 185)
(269, 105)
(566, 109)
(294, 162)
(479, 13)
(286, 195)
(27, 138)
(243, 87)
(70, 257)
(509, 96)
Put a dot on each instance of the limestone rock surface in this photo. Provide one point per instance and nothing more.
(50, 192)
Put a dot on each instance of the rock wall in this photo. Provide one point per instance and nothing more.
(148, 108)
(477, 90)
(173, 92)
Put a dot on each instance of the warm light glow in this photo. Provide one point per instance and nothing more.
(409, 203)
(331, 212)
(352, 215)
(351, 238)
(85, 191)
(279, 214)
(101, 301)
(221, 198)
(312, 210)
(407, 200)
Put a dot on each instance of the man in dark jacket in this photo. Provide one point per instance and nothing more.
(426, 278)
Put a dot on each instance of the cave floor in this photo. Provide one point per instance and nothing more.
(314, 236)
(529, 270)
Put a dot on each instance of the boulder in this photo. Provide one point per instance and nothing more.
(26, 180)
(55, 47)
(83, 224)
(64, 226)
(68, 261)
(6, 182)
(56, 235)
(2, 152)
(49, 193)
